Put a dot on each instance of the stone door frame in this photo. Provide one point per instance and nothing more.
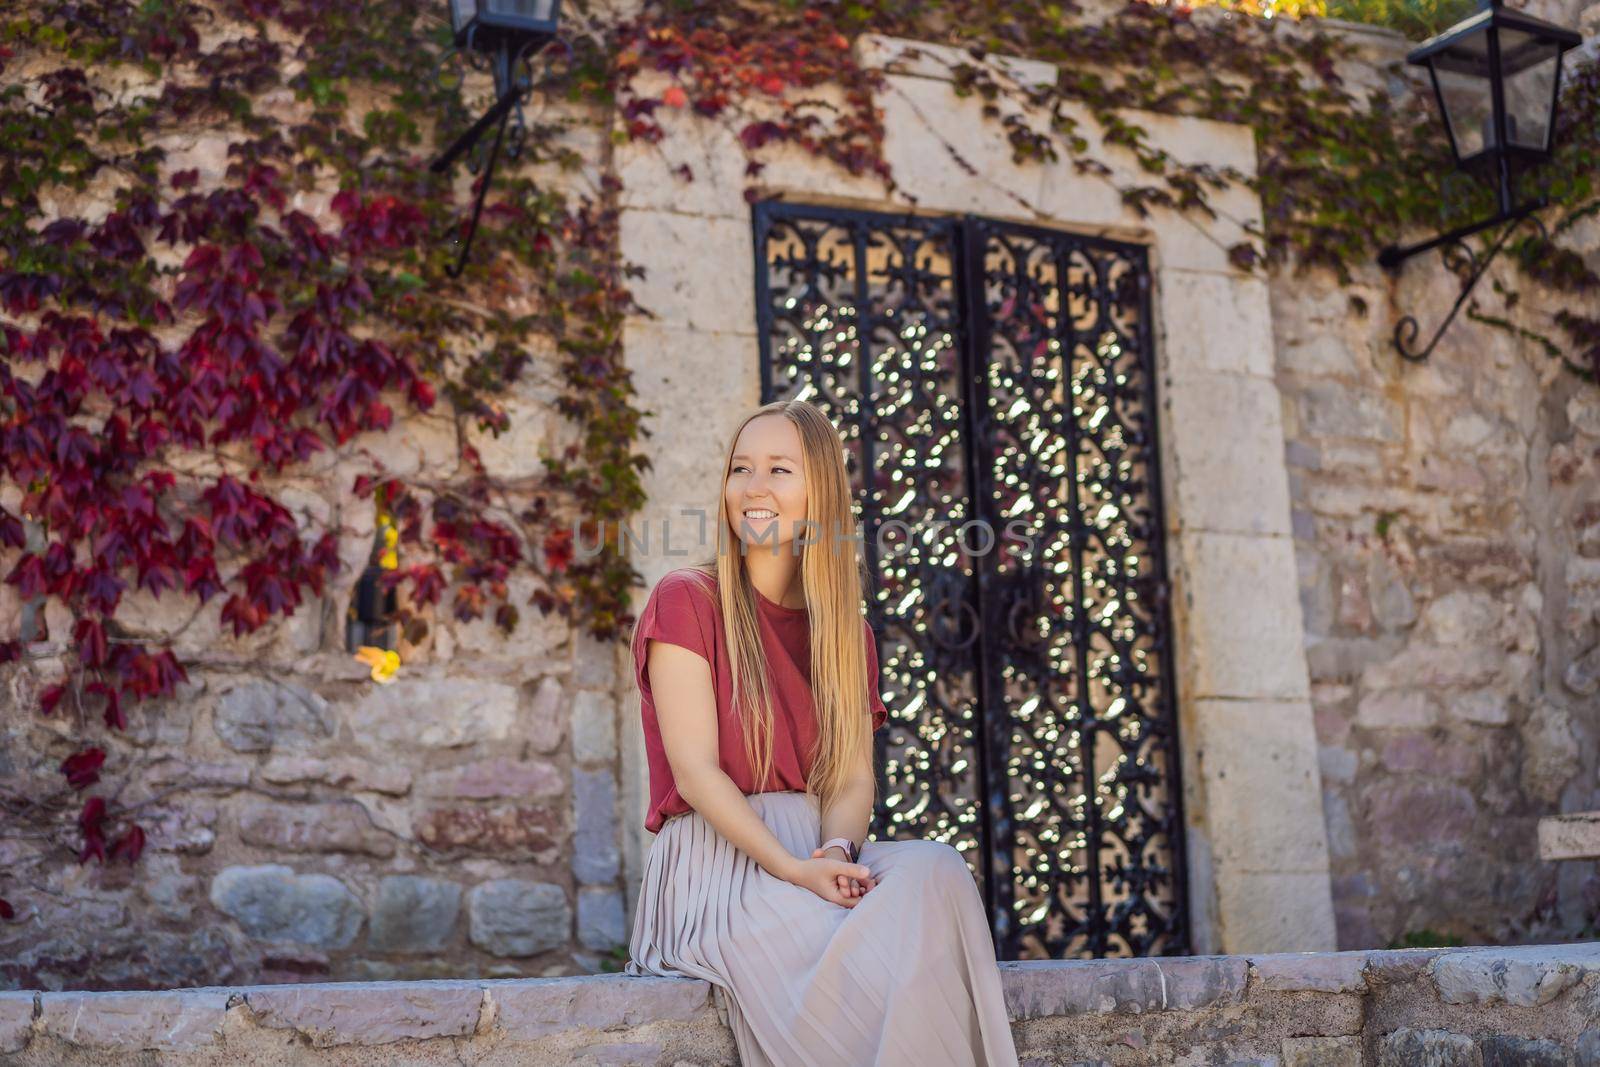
(1256, 841)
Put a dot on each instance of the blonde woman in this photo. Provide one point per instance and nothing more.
(756, 666)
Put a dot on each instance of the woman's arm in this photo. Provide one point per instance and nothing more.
(851, 810)
(848, 816)
(686, 702)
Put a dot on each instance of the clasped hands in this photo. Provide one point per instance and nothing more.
(843, 887)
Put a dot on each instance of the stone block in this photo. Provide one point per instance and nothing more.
(1276, 822)
(594, 727)
(943, 146)
(1313, 972)
(1505, 1050)
(1524, 976)
(1215, 322)
(514, 454)
(1586, 1053)
(602, 921)
(1225, 441)
(531, 1010)
(1334, 410)
(189, 774)
(177, 1020)
(1549, 753)
(1321, 1052)
(1409, 753)
(343, 826)
(1321, 355)
(1570, 837)
(1403, 812)
(16, 1020)
(1239, 612)
(517, 830)
(547, 720)
(368, 1013)
(495, 777)
(1181, 240)
(1427, 1048)
(413, 914)
(1037, 989)
(273, 903)
(595, 854)
(1420, 665)
(1396, 709)
(1274, 911)
(1194, 982)
(511, 917)
(428, 713)
(675, 287)
(341, 773)
(258, 716)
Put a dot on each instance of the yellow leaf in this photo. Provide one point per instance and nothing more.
(385, 662)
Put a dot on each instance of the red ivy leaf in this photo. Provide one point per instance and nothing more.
(129, 845)
(51, 696)
(91, 638)
(6, 911)
(83, 768)
(92, 822)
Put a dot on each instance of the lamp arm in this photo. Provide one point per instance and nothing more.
(1407, 329)
(483, 182)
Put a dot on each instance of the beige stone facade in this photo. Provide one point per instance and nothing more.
(1386, 614)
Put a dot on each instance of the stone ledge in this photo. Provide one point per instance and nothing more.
(1298, 1008)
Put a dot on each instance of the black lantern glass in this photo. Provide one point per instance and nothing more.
(1496, 76)
(486, 24)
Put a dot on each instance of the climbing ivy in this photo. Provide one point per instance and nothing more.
(178, 340)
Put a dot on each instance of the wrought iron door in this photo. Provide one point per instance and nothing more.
(994, 386)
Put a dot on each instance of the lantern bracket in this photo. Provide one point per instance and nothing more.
(511, 88)
(1407, 329)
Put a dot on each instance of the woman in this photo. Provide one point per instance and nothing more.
(821, 956)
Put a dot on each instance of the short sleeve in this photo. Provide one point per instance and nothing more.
(880, 714)
(679, 613)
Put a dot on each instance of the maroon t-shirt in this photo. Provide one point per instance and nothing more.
(683, 609)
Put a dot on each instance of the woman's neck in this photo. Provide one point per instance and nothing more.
(776, 576)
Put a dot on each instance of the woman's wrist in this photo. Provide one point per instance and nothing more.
(789, 870)
(844, 844)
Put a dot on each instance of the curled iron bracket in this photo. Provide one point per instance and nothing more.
(1407, 329)
(512, 88)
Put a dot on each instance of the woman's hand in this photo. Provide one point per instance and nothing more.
(831, 879)
(850, 887)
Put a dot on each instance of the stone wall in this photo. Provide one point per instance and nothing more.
(1471, 1008)
(306, 824)
(1448, 541)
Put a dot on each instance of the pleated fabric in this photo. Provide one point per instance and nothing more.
(906, 978)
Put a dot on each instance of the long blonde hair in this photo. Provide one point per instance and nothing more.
(834, 573)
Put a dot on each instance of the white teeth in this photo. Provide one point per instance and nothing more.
(761, 514)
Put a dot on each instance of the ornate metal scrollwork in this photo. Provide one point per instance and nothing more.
(982, 372)
(1407, 329)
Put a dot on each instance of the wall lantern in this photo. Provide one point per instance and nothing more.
(1496, 76)
(509, 33)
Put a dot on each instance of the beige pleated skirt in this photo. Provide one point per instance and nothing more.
(906, 978)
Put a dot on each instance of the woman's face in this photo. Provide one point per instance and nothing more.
(766, 489)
